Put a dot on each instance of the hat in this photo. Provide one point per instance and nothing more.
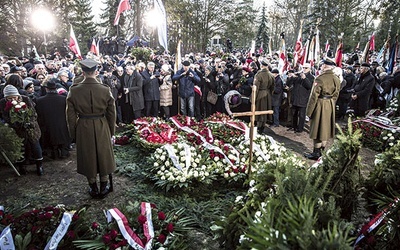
(88, 65)
(275, 70)
(235, 100)
(201, 61)
(329, 62)
(15, 69)
(375, 63)
(291, 71)
(357, 64)
(10, 90)
(246, 69)
(306, 65)
(27, 83)
(350, 68)
(51, 85)
(365, 65)
(186, 63)
(264, 62)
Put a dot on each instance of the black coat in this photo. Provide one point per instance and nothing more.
(151, 87)
(52, 120)
(363, 90)
(300, 90)
(277, 95)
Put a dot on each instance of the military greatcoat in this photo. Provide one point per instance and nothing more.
(321, 106)
(91, 122)
(265, 83)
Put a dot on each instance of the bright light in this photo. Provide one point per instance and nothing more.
(153, 18)
(43, 20)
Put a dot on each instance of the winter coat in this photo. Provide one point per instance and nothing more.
(166, 91)
(51, 116)
(265, 83)
(321, 106)
(91, 120)
(277, 95)
(363, 90)
(300, 89)
(134, 83)
(151, 87)
(186, 83)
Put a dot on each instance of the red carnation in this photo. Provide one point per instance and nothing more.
(161, 238)
(161, 216)
(122, 243)
(75, 217)
(106, 239)
(71, 234)
(1, 212)
(170, 228)
(152, 205)
(142, 219)
(48, 215)
(23, 106)
(113, 233)
(95, 225)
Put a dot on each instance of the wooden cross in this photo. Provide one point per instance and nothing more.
(252, 115)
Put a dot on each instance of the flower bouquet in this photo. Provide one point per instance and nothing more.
(38, 227)
(139, 229)
(178, 165)
(20, 113)
(151, 133)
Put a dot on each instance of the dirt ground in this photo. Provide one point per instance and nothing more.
(62, 185)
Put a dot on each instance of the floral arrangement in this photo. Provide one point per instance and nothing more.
(19, 112)
(145, 228)
(179, 165)
(10, 144)
(33, 229)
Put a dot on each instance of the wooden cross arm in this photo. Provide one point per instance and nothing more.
(249, 113)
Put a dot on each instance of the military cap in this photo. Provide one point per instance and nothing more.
(88, 65)
(186, 63)
(275, 70)
(365, 65)
(329, 61)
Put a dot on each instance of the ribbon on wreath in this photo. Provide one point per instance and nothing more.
(375, 221)
(172, 156)
(381, 123)
(6, 239)
(60, 231)
(241, 126)
(144, 121)
(127, 232)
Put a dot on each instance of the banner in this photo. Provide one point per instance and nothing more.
(162, 25)
(73, 44)
(123, 5)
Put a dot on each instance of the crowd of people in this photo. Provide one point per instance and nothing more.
(203, 84)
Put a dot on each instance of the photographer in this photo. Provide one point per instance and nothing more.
(187, 78)
(300, 87)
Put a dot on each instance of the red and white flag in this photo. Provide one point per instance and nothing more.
(299, 46)
(73, 44)
(123, 5)
(327, 46)
(93, 48)
(372, 42)
(339, 55)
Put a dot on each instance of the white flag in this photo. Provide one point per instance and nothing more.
(162, 25)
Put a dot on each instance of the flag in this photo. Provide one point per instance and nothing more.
(162, 25)
(178, 57)
(317, 50)
(372, 42)
(123, 5)
(339, 54)
(393, 55)
(73, 44)
(327, 46)
(298, 47)
(357, 47)
(261, 50)
(93, 48)
(364, 57)
(304, 54)
(270, 47)
(283, 62)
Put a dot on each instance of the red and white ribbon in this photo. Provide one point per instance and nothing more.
(198, 90)
(6, 239)
(126, 231)
(60, 231)
(148, 228)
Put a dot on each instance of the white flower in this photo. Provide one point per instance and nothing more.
(162, 168)
(197, 160)
(195, 174)
(156, 164)
(238, 199)
(216, 158)
(203, 167)
(385, 138)
(259, 158)
(232, 174)
(206, 174)
(22, 103)
(162, 178)
(171, 178)
(391, 138)
(391, 144)
(14, 103)
(252, 183)
(182, 153)
(183, 179)
(167, 164)
(226, 175)
(17, 106)
(183, 159)
(162, 158)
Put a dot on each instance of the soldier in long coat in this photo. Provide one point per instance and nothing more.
(321, 108)
(91, 122)
(265, 83)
